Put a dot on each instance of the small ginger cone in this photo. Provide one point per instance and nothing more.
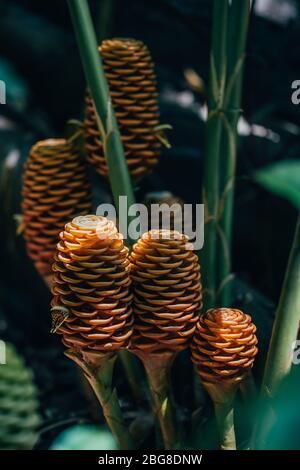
(19, 417)
(132, 82)
(91, 306)
(55, 189)
(167, 302)
(223, 350)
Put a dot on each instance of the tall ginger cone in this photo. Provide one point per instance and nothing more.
(91, 306)
(223, 349)
(167, 303)
(132, 82)
(55, 189)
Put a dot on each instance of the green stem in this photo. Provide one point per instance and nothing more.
(223, 400)
(158, 368)
(284, 334)
(249, 395)
(224, 417)
(99, 373)
(108, 126)
(212, 146)
(237, 35)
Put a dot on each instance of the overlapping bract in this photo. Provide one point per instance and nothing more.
(132, 82)
(224, 345)
(92, 298)
(167, 291)
(55, 189)
(18, 404)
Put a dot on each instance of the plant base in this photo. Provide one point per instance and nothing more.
(98, 369)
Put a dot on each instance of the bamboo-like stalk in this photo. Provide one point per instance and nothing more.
(210, 195)
(99, 373)
(284, 334)
(238, 21)
(108, 129)
(158, 369)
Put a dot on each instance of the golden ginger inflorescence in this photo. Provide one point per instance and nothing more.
(167, 291)
(55, 189)
(91, 304)
(132, 82)
(224, 346)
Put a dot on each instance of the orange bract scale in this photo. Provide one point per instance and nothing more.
(132, 82)
(167, 291)
(224, 345)
(92, 284)
(55, 189)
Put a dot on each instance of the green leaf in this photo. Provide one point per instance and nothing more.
(282, 179)
(84, 437)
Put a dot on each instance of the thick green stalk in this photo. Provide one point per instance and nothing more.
(237, 35)
(212, 147)
(158, 369)
(224, 417)
(99, 373)
(286, 323)
(108, 126)
(284, 334)
(223, 396)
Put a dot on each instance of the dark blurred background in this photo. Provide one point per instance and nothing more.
(40, 64)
